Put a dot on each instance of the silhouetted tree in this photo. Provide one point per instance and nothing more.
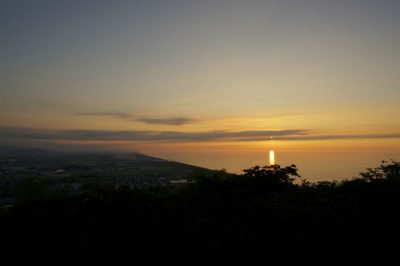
(273, 173)
(386, 171)
(249, 218)
(31, 189)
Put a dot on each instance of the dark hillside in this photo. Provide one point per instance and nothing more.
(258, 217)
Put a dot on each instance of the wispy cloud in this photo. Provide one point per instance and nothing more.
(171, 121)
(7, 133)
(338, 137)
(102, 135)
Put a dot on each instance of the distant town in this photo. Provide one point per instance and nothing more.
(77, 172)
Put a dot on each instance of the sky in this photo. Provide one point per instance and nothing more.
(211, 83)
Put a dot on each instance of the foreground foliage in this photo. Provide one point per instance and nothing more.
(260, 216)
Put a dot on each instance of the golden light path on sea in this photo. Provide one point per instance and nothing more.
(271, 157)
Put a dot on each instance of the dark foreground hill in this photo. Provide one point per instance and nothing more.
(260, 217)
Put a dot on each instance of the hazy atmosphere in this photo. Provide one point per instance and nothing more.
(236, 132)
(211, 83)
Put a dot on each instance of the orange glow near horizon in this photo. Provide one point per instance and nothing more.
(315, 159)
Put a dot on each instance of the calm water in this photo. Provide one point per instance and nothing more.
(316, 161)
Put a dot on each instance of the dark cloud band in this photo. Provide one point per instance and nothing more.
(100, 135)
(7, 133)
(171, 121)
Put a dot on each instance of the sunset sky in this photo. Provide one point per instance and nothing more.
(211, 83)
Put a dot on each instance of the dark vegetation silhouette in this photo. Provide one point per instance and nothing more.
(264, 215)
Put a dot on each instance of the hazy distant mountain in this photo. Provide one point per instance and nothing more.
(6, 150)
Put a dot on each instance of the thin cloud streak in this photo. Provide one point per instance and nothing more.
(170, 121)
(7, 133)
(102, 135)
(339, 137)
